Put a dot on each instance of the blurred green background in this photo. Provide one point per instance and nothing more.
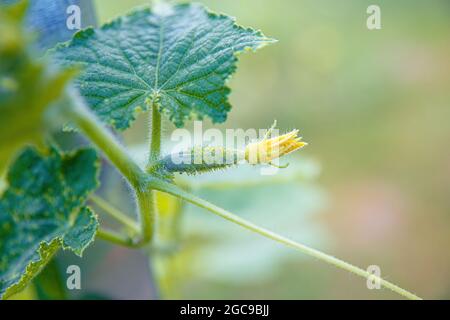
(375, 108)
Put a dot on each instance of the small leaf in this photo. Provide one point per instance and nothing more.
(177, 57)
(43, 210)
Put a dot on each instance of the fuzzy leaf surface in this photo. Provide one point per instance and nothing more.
(42, 210)
(176, 57)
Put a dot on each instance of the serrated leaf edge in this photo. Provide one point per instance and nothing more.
(58, 242)
(151, 99)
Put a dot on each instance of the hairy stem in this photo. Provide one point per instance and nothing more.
(155, 139)
(146, 203)
(154, 154)
(145, 196)
(172, 189)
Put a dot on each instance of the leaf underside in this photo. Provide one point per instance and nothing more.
(43, 210)
(176, 57)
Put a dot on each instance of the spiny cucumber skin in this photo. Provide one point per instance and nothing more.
(200, 160)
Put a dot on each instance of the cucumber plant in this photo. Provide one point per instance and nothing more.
(170, 61)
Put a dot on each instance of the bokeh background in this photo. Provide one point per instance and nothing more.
(373, 186)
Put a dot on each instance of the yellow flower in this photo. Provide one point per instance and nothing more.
(267, 150)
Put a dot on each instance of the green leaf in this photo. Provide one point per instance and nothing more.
(43, 210)
(176, 57)
(27, 86)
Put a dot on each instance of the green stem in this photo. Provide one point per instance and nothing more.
(146, 203)
(155, 140)
(115, 213)
(154, 155)
(146, 197)
(174, 190)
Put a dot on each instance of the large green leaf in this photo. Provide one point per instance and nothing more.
(177, 57)
(28, 86)
(43, 210)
